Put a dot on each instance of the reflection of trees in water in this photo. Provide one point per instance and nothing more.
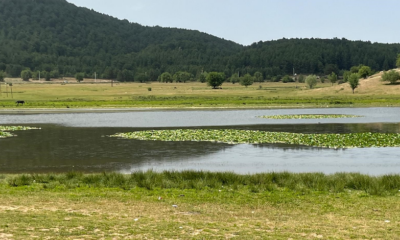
(56, 148)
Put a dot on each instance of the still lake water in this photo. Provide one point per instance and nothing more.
(77, 141)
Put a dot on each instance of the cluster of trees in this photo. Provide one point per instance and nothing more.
(36, 75)
(214, 79)
(177, 77)
(392, 76)
(58, 37)
(351, 77)
(353, 80)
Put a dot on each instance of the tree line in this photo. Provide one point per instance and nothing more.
(58, 39)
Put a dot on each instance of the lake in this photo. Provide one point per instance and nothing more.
(78, 141)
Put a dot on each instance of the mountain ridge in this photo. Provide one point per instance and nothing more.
(55, 35)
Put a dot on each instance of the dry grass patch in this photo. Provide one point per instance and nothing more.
(138, 214)
(370, 86)
(90, 94)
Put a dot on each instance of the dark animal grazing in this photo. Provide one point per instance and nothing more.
(19, 101)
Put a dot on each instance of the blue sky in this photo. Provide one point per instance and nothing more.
(248, 21)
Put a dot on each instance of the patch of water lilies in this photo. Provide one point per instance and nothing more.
(5, 130)
(232, 136)
(309, 116)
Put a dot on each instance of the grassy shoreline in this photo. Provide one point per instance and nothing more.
(199, 205)
(205, 103)
(197, 95)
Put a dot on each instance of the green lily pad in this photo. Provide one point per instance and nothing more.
(232, 136)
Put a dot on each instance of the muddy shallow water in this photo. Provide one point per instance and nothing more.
(77, 141)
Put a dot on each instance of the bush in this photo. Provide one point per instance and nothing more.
(354, 81)
(301, 79)
(234, 78)
(277, 78)
(390, 76)
(287, 79)
(166, 77)
(181, 77)
(79, 77)
(215, 79)
(26, 74)
(333, 78)
(46, 75)
(258, 77)
(311, 81)
(364, 71)
(246, 80)
(346, 76)
(203, 77)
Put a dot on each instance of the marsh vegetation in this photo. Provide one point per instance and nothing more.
(5, 130)
(232, 136)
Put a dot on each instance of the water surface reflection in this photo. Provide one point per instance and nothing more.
(58, 148)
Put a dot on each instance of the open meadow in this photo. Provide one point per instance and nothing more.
(100, 94)
(190, 205)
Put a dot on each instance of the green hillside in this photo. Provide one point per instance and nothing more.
(56, 36)
(319, 56)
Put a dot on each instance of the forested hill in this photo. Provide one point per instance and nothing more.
(56, 36)
(320, 56)
(49, 34)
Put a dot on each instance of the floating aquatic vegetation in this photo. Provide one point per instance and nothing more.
(309, 116)
(5, 134)
(232, 136)
(4, 130)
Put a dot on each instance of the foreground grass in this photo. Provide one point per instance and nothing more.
(190, 95)
(199, 205)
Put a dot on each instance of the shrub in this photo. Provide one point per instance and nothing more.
(287, 79)
(246, 80)
(79, 77)
(311, 81)
(215, 79)
(301, 79)
(354, 81)
(390, 76)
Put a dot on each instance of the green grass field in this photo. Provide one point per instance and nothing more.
(195, 95)
(199, 205)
